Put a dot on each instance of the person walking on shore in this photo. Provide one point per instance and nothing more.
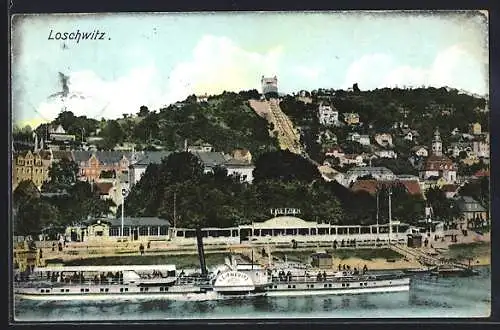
(141, 249)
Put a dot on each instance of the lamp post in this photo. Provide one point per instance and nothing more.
(378, 192)
(124, 195)
(390, 217)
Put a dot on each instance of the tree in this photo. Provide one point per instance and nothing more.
(143, 111)
(63, 172)
(252, 94)
(285, 166)
(112, 134)
(477, 189)
(181, 166)
(33, 216)
(65, 119)
(442, 207)
(271, 95)
(24, 193)
(351, 147)
(355, 88)
(108, 174)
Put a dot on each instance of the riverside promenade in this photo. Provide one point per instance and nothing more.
(411, 257)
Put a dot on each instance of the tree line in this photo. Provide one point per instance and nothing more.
(178, 185)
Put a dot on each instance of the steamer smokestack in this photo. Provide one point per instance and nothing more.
(201, 252)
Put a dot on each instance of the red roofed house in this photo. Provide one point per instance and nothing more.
(450, 190)
(370, 186)
(110, 190)
(438, 165)
(482, 173)
(104, 189)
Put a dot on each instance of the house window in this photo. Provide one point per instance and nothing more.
(114, 232)
(143, 231)
(163, 230)
(99, 233)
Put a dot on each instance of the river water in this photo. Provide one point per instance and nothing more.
(428, 297)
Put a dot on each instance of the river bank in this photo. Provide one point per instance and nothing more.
(377, 259)
(477, 253)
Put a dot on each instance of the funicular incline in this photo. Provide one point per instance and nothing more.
(288, 136)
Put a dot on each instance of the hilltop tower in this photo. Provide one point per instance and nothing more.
(269, 85)
(437, 144)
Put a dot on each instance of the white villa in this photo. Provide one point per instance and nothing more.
(359, 138)
(378, 173)
(384, 139)
(241, 169)
(327, 115)
(386, 153)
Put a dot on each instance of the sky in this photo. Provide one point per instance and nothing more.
(158, 59)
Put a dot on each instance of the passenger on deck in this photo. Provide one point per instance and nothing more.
(365, 269)
(318, 277)
(324, 276)
(340, 267)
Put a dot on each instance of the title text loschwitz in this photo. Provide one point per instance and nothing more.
(77, 35)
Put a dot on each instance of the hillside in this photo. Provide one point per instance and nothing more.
(381, 110)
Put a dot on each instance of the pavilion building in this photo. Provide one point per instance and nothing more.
(284, 229)
(134, 229)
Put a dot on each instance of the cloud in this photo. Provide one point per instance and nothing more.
(92, 96)
(453, 67)
(311, 73)
(217, 64)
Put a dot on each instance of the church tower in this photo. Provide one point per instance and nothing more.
(437, 144)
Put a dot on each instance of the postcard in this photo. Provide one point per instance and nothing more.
(250, 165)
